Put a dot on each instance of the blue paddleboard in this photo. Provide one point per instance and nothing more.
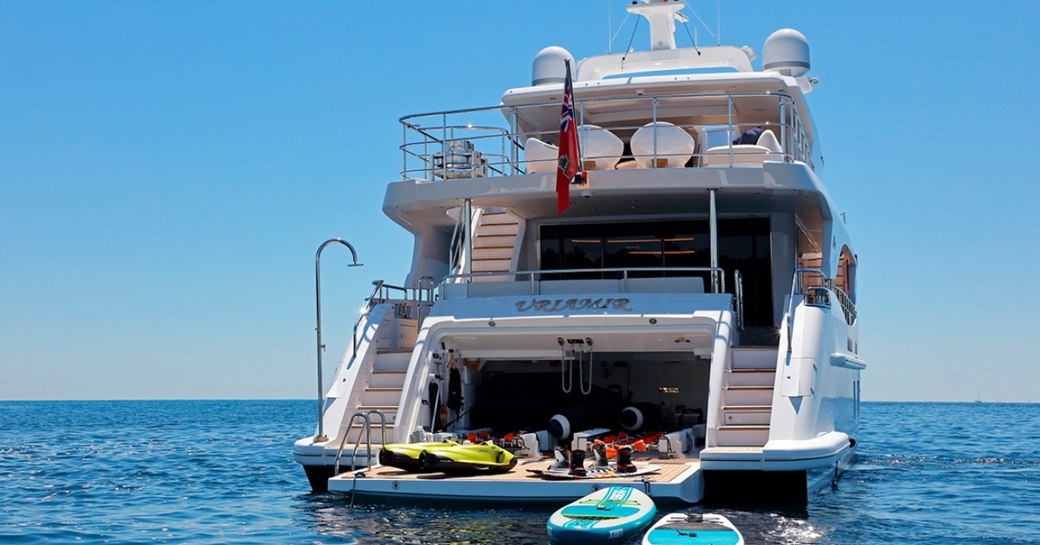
(693, 529)
(613, 514)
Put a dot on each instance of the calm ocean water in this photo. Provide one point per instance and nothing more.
(221, 472)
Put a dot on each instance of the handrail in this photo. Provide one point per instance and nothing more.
(624, 273)
(366, 429)
(455, 246)
(370, 303)
(796, 289)
(848, 308)
(382, 423)
(381, 293)
(738, 298)
(504, 141)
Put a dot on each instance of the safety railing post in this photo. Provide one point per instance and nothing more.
(729, 126)
(654, 120)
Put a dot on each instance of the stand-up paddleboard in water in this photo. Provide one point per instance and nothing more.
(610, 515)
(693, 529)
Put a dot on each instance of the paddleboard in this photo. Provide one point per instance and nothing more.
(693, 529)
(609, 472)
(613, 514)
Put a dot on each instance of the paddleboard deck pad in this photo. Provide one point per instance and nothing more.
(613, 514)
(693, 529)
(609, 472)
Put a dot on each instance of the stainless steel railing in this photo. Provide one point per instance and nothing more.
(420, 296)
(817, 296)
(620, 274)
(738, 298)
(487, 141)
(366, 430)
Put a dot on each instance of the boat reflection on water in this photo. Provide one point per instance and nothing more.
(335, 519)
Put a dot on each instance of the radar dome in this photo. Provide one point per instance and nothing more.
(787, 52)
(548, 66)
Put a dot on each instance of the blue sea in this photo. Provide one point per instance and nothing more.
(221, 472)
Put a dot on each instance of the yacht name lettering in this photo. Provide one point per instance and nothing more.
(555, 305)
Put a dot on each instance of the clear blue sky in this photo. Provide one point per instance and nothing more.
(167, 170)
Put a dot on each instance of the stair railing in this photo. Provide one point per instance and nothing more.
(366, 430)
(423, 294)
(382, 426)
(738, 298)
(455, 248)
(370, 303)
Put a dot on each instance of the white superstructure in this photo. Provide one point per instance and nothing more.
(701, 275)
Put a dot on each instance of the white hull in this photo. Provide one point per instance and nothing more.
(703, 283)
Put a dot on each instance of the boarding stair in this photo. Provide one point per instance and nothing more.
(495, 243)
(747, 398)
(385, 383)
(379, 386)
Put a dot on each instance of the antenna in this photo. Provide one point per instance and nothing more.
(718, 23)
(705, 25)
(609, 39)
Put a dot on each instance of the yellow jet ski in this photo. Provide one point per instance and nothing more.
(406, 455)
(467, 459)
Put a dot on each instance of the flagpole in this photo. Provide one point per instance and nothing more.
(580, 168)
(567, 159)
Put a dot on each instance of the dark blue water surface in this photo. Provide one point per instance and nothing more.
(222, 472)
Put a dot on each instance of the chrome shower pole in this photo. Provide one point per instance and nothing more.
(317, 307)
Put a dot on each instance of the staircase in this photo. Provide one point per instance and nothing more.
(747, 399)
(494, 244)
(382, 393)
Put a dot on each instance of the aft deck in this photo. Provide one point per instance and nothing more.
(677, 480)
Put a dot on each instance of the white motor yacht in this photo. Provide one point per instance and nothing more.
(693, 305)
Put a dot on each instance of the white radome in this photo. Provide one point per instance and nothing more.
(787, 52)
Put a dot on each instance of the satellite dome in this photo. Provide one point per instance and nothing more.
(548, 66)
(787, 52)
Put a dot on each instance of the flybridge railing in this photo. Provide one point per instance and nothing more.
(489, 141)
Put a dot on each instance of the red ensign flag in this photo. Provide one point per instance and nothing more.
(568, 159)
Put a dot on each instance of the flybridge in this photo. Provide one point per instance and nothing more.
(785, 51)
(650, 121)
